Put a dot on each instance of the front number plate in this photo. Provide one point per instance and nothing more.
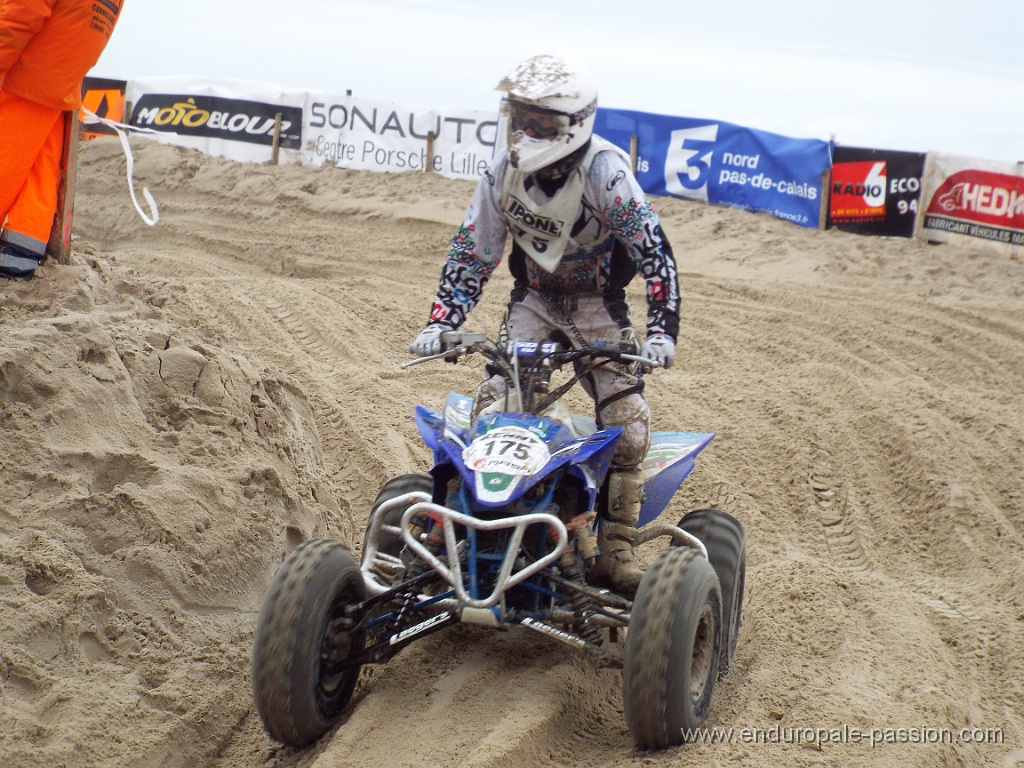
(508, 451)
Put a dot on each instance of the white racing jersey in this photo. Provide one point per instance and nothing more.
(612, 235)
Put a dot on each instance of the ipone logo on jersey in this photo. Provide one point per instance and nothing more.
(858, 191)
(519, 212)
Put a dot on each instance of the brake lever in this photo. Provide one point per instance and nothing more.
(625, 356)
(418, 360)
(643, 361)
(453, 352)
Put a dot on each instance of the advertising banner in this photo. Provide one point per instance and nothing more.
(969, 198)
(229, 118)
(875, 191)
(372, 135)
(723, 164)
(104, 98)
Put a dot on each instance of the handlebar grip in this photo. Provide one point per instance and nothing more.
(533, 350)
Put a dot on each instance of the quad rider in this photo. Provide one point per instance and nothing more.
(581, 229)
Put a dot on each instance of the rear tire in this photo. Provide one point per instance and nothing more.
(726, 544)
(390, 543)
(672, 649)
(300, 681)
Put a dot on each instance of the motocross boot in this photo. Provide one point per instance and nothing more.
(616, 566)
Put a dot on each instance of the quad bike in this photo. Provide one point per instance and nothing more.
(501, 532)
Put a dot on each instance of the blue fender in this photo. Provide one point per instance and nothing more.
(669, 460)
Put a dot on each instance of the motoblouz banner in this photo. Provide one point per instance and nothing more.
(104, 98)
(970, 198)
(232, 119)
(723, 164)
(367, 134)
(875, 191)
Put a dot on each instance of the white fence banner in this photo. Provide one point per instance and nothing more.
(228, 118)
(972, 200)
(372, 135)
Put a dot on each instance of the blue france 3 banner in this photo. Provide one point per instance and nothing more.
(723, 164)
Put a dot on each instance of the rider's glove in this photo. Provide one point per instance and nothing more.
(659, 348)
(428, 342)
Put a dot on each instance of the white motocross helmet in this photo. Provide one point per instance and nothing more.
(550, 109)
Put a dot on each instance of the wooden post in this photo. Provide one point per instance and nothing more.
(276, 148)
(826, 177)
(1017, 251)
(633, 152)
(429, 165)
(59, 246)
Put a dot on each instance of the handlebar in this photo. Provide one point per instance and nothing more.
(546, 353)
(527, 365)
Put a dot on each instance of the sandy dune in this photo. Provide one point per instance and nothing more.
(184, 404)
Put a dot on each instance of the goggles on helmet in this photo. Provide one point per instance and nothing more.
(536, 122)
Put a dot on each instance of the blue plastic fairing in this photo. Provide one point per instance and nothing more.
(669, 460)
(595, 450)
(429, 424)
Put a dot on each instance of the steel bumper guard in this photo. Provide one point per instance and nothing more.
(507, 578)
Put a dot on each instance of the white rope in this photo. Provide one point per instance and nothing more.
(91, 118)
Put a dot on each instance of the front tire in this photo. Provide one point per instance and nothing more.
(672, 649)
(302, 676)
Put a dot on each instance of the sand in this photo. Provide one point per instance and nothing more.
(184, 404)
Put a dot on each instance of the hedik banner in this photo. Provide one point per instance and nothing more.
(372, 135)
(875, 191)
(723, 164)
(965, 197)
(227, 118)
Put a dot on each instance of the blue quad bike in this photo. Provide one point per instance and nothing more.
(501, 532)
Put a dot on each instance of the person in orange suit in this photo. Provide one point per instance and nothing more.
(46, 49)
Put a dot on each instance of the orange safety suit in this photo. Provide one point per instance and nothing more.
(46, 49)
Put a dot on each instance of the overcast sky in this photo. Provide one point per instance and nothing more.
(890, 74)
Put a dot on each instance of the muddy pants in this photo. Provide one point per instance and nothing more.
(583, 319)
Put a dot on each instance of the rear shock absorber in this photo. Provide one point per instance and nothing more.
(432, 537)
(569, 564)
(404, 613)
